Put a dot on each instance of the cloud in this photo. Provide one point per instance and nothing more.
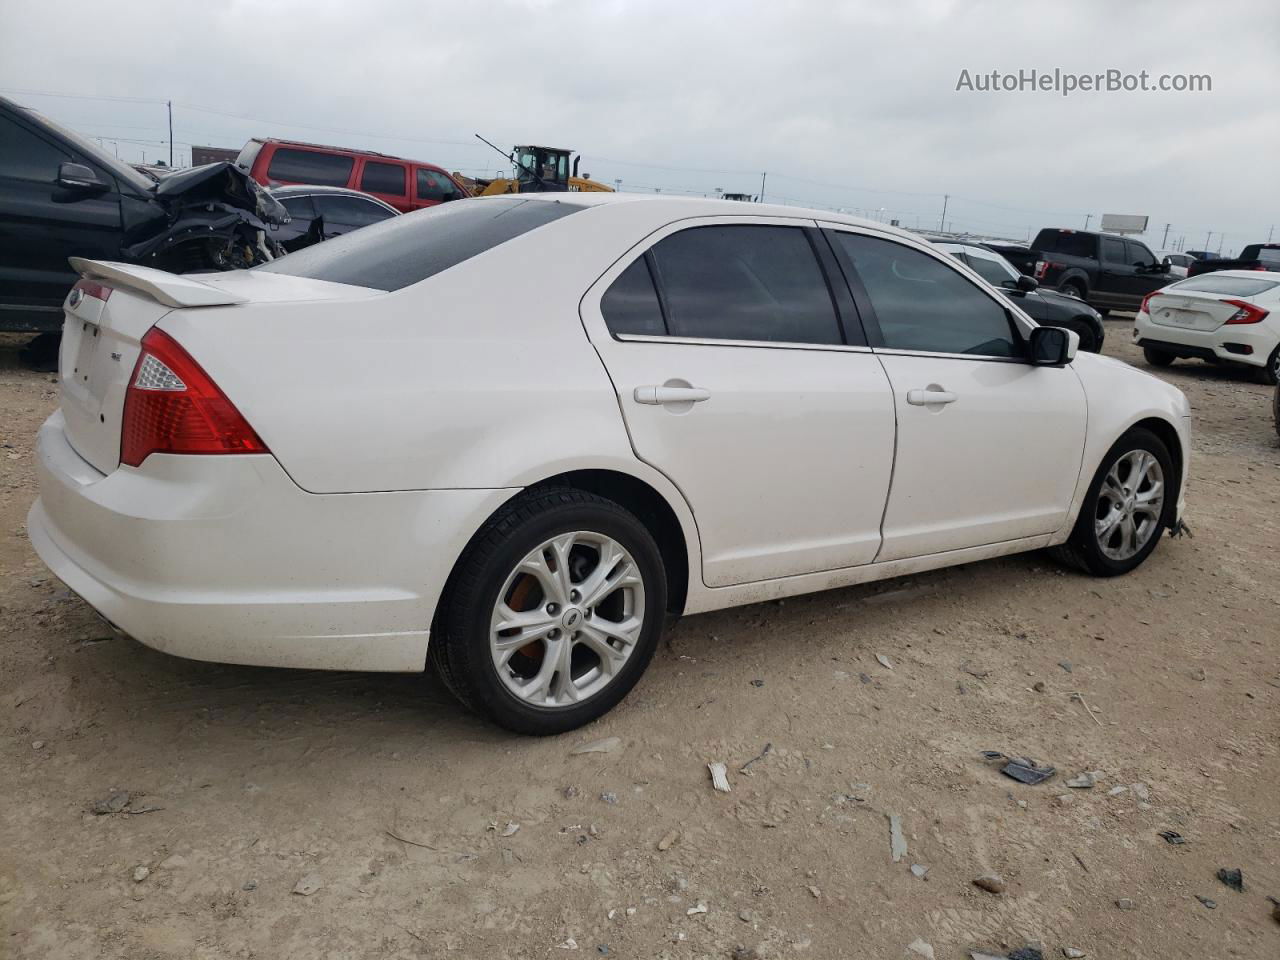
(847, 105)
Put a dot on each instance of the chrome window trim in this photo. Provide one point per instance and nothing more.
(751, 344)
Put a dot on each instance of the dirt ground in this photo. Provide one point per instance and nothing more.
(401, 809)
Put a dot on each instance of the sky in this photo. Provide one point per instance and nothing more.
(850, 106)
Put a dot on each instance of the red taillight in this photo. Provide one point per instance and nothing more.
(91, 288)
(1247, 313)
(1145, 308)
(172, 406)
(1042, 267)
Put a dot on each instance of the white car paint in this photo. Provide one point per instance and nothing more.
(1179, 263)
(398, 422)
(1183, 315)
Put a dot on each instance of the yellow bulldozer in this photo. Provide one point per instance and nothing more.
(535, 170)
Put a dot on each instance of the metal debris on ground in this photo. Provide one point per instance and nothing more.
(1124, 903)
(607, 745)
(897, 842)
(1172, 837)
(510, 829)
(919, 871)
(720, 777)
(1023, 769)
(768, 749)
(1211, 904)
(609, 798)
(884, 661)
(1233, 878)
(1027, 953)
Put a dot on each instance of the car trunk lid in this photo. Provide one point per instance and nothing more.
(1191, 311)
(106, 316)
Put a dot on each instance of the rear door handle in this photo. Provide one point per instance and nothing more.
(655, 395)
(927, 398)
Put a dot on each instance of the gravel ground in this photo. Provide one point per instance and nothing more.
(263, 813)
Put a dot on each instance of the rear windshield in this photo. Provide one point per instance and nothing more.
(1258, 252)
(1231, 286)
(1066, 242)
(404, 250)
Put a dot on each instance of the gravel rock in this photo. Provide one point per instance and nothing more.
(897, 842)
(607, 745)
(140, 874)
(920, 948)
(1071, 953)
(308, 885)
(1124, 903)
(992, 883)
(919, 870)
(175, 861)
(1086, 781)
(1211, 904)
(112, 803)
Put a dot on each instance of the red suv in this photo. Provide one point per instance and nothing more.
(405, 184)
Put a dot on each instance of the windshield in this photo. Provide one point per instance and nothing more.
(995, 272)
(1217, 283)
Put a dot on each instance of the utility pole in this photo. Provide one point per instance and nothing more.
(1164, 244)
(762, 176)
(1087, 218)
(170, 105)
(1206, 239)
(942, 223)
(1270, 232)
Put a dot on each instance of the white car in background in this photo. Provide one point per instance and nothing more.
(512, 435)
(1230, 316)
(1179, 263)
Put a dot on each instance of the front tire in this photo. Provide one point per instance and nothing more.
(1270, 374)
(552, 613)
(1127, 508)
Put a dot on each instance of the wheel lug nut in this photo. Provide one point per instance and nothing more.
(575, 596)
(553, 608)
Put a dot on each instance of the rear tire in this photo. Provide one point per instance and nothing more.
(1123, 489)
(570, 670)
(1157, 357)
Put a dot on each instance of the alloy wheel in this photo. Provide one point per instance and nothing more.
(1130, 505)
(567, 619)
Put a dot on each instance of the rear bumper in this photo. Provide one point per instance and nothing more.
(1249, 344)
(226, 559)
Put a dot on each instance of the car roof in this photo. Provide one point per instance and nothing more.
(677, 207)
(354, 151)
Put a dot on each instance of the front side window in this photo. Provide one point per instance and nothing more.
(310, 166)
(25, 156)
(383, 178)
(923, 304)
(434, 185)
(350, 211)
(1140, 255)
(299, 208)
(1113, 250)
(995, 272)
(745, 282)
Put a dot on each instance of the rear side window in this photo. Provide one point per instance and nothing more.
(434, 185)
(630, 305)
(1069, 244)
(748, 282)
(1230, 286)
(310, 166)
(1113, 250)
(923, 304)
(383, 178)
(404, 250)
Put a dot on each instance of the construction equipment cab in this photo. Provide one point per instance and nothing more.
(540, 170)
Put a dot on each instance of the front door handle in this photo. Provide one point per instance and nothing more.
(655, 395)
(927, 398)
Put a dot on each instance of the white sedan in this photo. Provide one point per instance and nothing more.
(510, 436)
(1230, 316)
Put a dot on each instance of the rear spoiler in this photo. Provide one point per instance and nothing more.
(169, 288)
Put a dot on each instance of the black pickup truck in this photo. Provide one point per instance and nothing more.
(1256, 256)
(1102, 269)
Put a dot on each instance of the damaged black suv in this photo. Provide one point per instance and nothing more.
(62, 196)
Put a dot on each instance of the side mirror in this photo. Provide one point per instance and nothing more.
(78, 177)
(1053, 346)
(1027, 284)
(1165, 265)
